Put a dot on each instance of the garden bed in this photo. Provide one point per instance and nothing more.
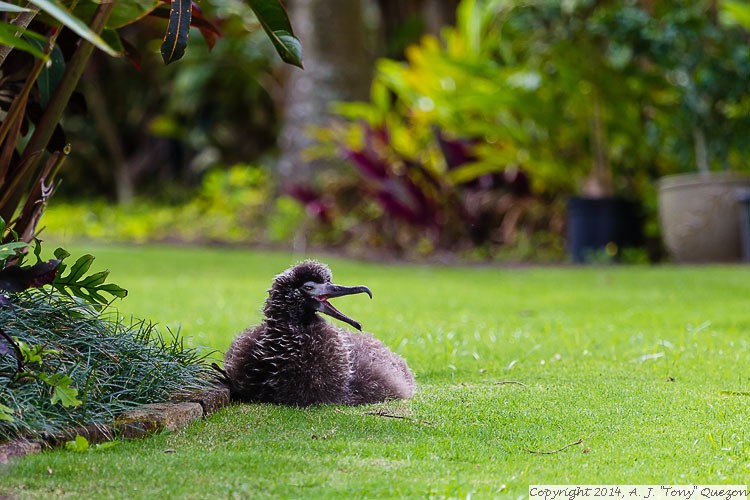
(133, 424)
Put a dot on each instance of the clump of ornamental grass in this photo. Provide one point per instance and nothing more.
(72, 364)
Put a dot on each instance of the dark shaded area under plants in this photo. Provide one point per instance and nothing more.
(112, 365)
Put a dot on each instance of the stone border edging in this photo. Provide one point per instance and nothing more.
(137, 423)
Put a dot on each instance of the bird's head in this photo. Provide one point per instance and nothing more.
(303, 290)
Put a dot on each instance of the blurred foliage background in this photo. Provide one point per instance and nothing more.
(417, 128)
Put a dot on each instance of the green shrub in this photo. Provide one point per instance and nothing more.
(596, 98)
(84, 367)
(232, 205)
(64, 361)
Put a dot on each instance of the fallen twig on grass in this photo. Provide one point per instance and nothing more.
(534, 452)
(508, 382)
(734, 393)
(385, 414)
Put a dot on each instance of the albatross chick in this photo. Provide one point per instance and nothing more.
(295, 357)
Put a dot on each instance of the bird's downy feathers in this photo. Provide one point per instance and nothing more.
(295, 357)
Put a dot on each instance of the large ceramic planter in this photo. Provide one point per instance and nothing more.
(602, 226)
(699, 216)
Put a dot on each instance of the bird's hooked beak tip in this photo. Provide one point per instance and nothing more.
(327, 291)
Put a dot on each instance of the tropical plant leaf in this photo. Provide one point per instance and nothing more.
(470, 171)
(275, 22)
(95, 279)
(33, 354)
(114, 290)
(38, 249)
(106, 445)
(11, 249)
(88, 288)
(8, 37)
(112, 37)
(51, 75)
(79, 444)
(61, 14)
(736, 11)
(178, 28)
(9, 7)
(6, 413)
(82, 265)
(62, 391)
(30, 354)
(61, 253)
(20, 278)
(208, 30)
(126, 13)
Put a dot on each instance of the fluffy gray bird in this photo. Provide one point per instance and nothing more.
(295, 357)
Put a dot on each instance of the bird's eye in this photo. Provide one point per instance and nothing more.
(307, 287)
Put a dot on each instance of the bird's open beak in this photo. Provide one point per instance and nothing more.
(322, 292)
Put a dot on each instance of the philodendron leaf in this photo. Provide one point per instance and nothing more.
(113, 290)
(176, 39)
(11, 249)
(275, 22)
(88, 288)
(61, 254)
(79, 268)
(61, 14)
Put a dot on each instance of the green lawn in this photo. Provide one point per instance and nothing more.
(649, 366)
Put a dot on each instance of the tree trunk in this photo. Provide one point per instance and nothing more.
(438, 13)
(701, 153)
(97, 104)
(337, 68)
(397, 14)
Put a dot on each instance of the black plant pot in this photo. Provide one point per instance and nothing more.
(602, 226)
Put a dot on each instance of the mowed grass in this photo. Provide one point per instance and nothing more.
(648, 366)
